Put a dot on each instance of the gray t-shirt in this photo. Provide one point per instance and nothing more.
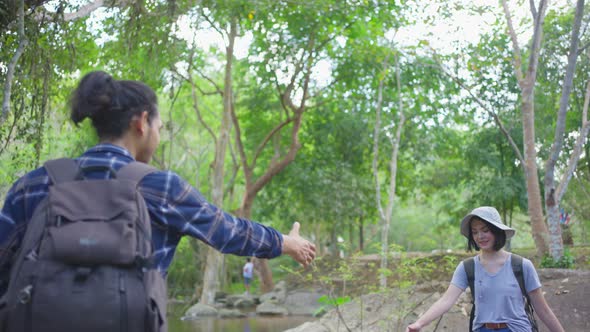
(498, 298)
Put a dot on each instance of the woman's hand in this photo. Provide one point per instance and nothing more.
(414, 327)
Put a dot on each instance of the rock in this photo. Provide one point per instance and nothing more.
(278, 293)
(309, 327)
(220, 295)
(231, 313)
(244, 303)
(271, 308)
(233, 300)
(199, 310)
(302, 303)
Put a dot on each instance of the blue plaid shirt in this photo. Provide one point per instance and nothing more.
(175, 207)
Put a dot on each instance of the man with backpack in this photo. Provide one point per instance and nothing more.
(85, 243)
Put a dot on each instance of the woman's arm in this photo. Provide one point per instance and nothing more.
(544, 312)
(437, 309)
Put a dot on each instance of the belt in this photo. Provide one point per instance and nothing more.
(495, 326)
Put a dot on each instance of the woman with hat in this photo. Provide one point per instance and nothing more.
(499, 304)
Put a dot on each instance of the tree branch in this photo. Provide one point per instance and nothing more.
(286, 107)
(196, 107)
(84, 10)
(22, 44)
(533, 9)
(575, 156)
(376, 129)
(493, 114)
(268, 138)
(287, 159)
(536, 44)
(217, 88)
(515, 47)
(557, 145)
(308, 73)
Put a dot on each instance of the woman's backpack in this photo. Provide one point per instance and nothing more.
(516, 261)
(85, 262)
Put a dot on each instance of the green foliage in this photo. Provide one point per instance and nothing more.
(567, 261)
(326, 303)
(184, 272)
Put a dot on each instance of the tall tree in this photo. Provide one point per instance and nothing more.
(546, 240)
(385, 215)
(553, 195)
(526, 82)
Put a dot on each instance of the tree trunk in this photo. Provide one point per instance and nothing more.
(361, 234)
(552, 196)
(386, 215)
(527, 86)
(535, 207)
(22, 44)
(214, 257)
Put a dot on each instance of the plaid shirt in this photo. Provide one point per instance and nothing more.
(175, 207)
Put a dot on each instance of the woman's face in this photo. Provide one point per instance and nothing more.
(482, 235)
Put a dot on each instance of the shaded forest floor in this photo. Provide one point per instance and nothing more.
(423, 275)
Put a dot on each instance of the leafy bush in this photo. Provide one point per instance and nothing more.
(567, 261)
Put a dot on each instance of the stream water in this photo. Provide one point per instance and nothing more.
(251, 323)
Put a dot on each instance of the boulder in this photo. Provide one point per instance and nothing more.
(271, 308)
(231, 313)
(244, 303)
(199, 310)
(302, 302)
(278, 293)
(309, 327)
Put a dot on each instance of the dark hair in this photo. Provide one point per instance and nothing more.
(248, 259)
(499, 235)
(111, 104)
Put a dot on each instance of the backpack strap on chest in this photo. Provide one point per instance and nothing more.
(469, 266)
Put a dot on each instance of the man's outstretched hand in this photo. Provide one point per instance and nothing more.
(297, 247)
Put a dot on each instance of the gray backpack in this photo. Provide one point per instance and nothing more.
(85, 260)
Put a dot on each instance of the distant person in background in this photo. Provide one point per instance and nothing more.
(499, 303)
(247, 273)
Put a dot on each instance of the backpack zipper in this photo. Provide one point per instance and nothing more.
(123, 299)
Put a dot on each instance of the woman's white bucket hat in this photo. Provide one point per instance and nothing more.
(488, 214)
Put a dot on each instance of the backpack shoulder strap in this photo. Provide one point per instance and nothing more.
(135, 171)
(61, 170)
(516, 261)
(469, 266)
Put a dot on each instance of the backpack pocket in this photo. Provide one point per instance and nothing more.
(157, 301)
(92, 242)
(103, 298)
